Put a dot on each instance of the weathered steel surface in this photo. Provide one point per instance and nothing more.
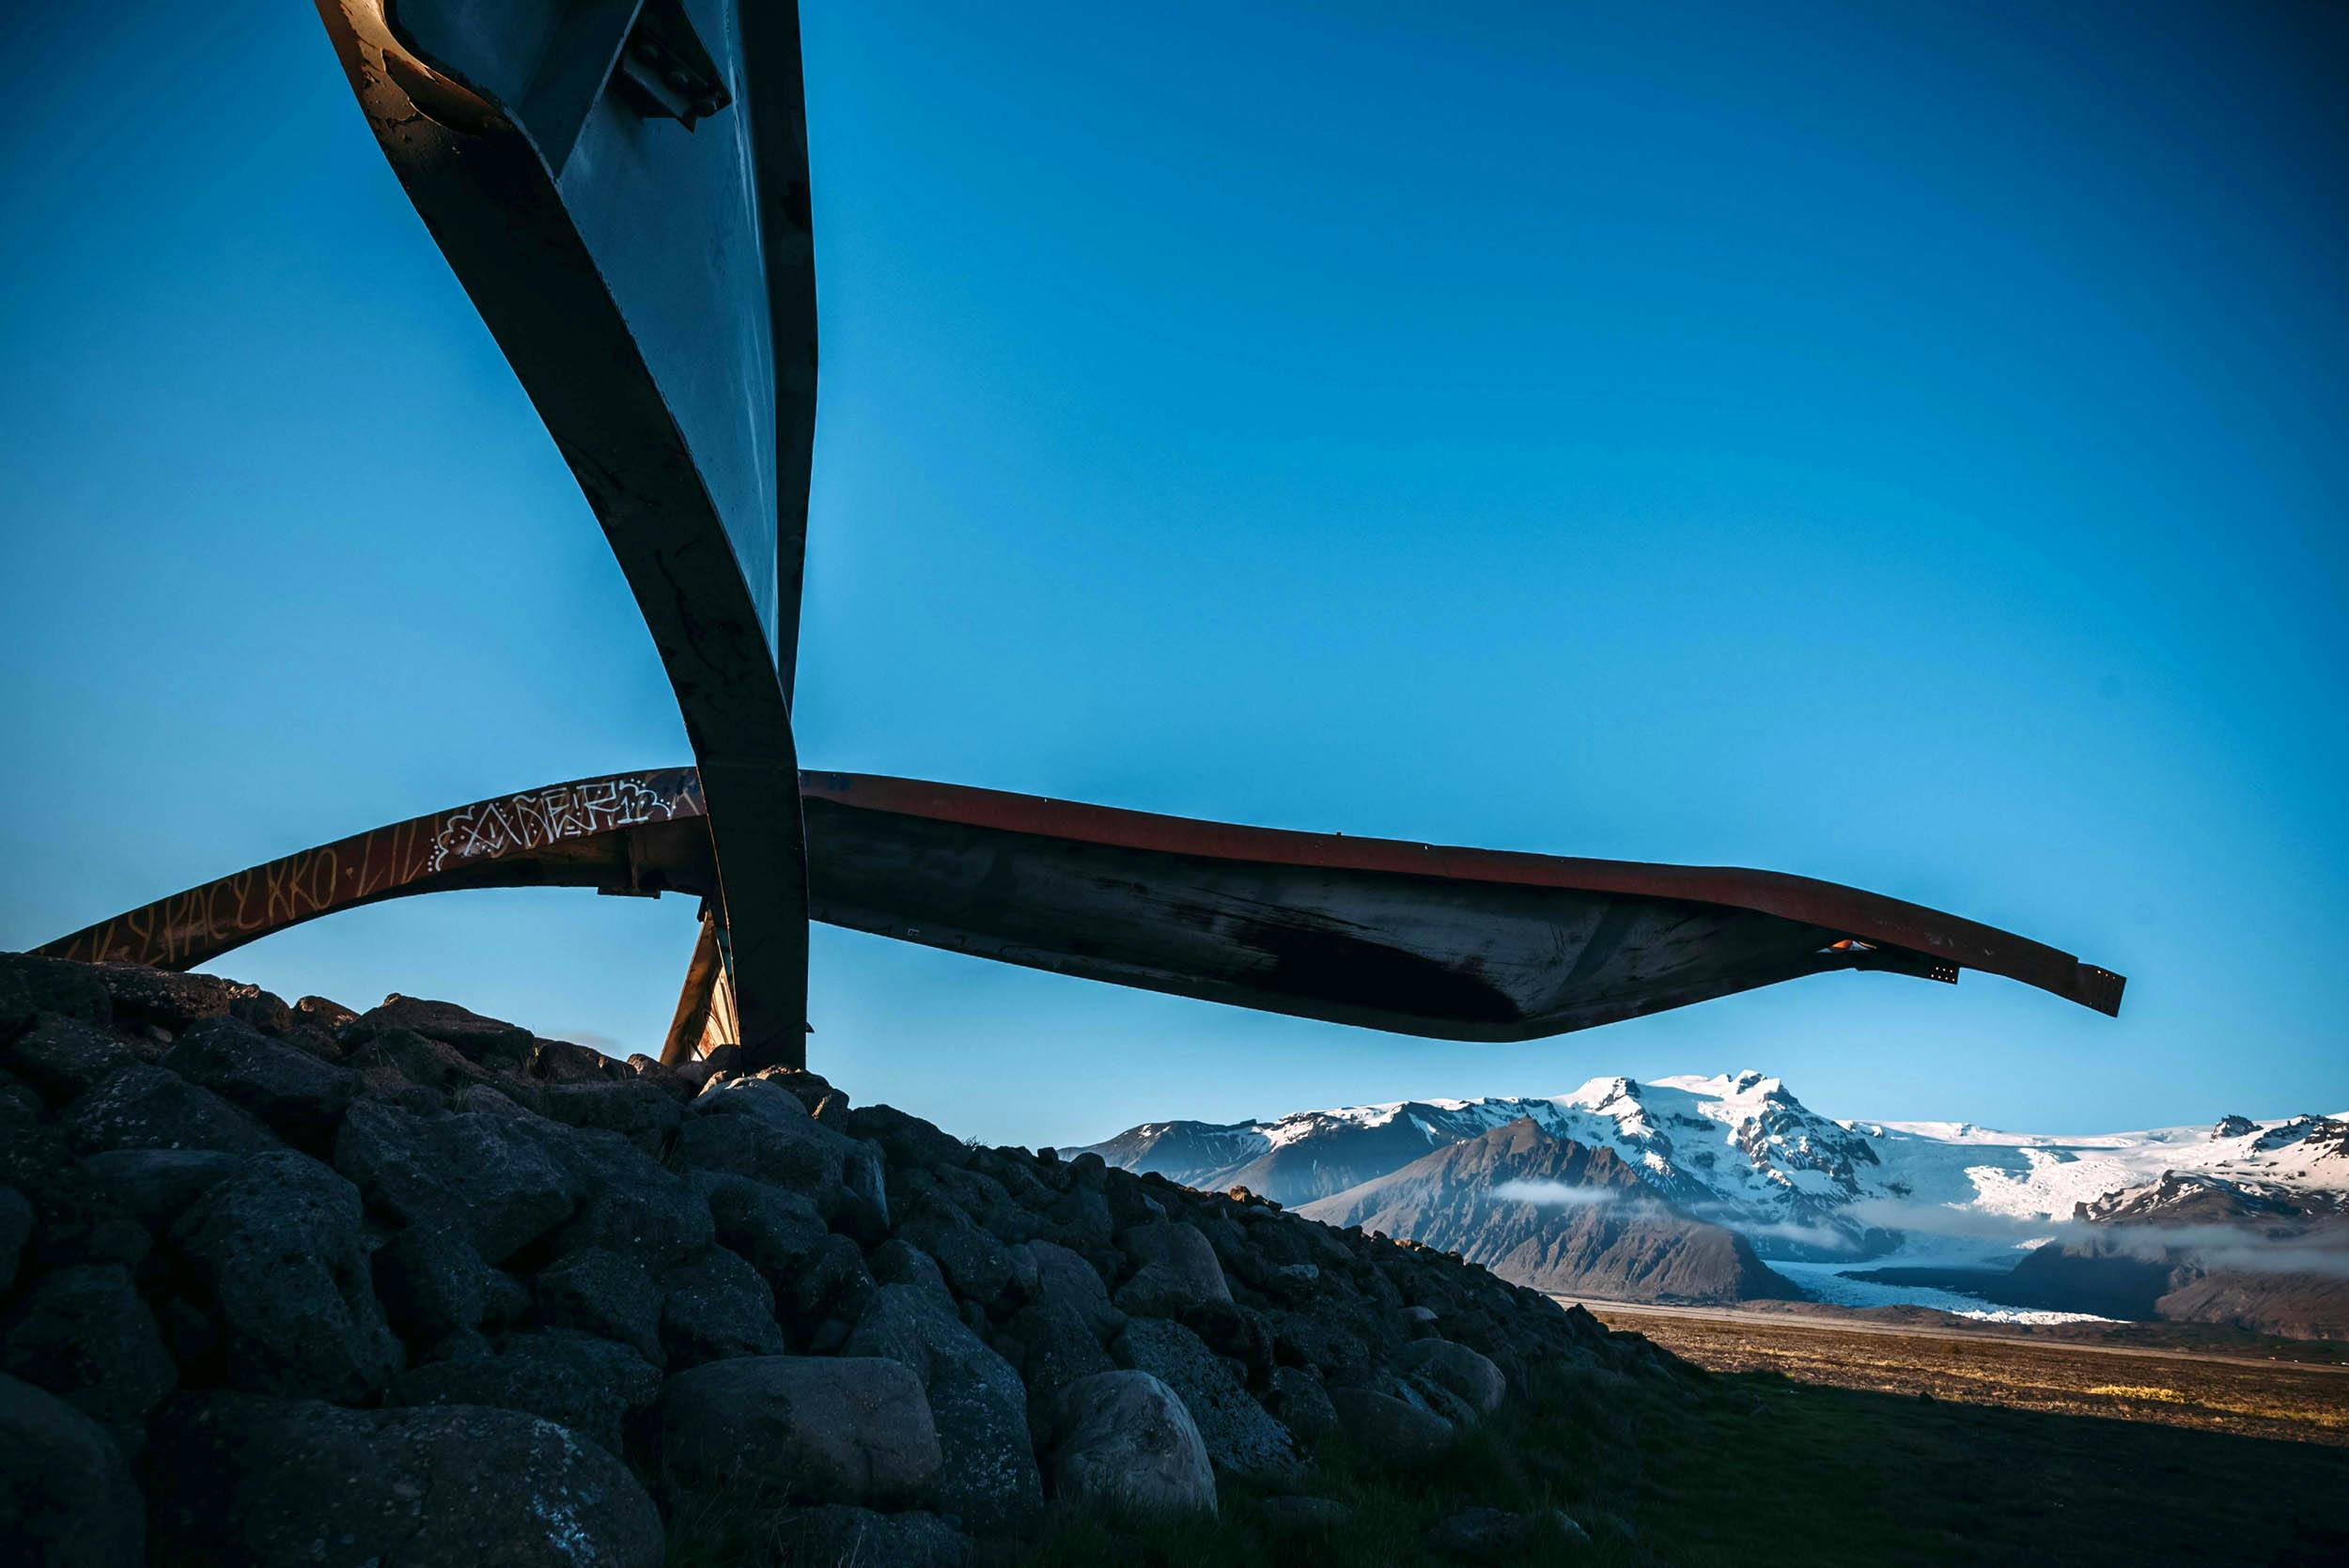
(635, 832)
(650, 276)
(1465, 944)
(1455, 943)
(704, 1006)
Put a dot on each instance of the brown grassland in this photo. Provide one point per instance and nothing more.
(2245, 1395)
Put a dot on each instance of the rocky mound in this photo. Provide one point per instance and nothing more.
(412, 1286)
(1554, 1215)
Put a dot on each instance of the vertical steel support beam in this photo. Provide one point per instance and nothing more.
(639, 245)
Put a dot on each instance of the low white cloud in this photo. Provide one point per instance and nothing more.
(1554, 1194)
(2224, 1248)
(1824, 1237)
(2245, 1247)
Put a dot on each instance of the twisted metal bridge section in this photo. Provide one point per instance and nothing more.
(1460, 944)
(622, 187)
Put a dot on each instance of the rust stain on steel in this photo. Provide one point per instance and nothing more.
(1437, 940)
(202, 922)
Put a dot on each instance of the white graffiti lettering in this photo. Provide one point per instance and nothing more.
(545, 816)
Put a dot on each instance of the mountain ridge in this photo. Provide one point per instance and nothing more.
(1953, 1204)
(1556, 1214)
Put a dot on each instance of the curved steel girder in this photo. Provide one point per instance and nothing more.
(626, 832)
(651, 280)
(1464, 944)
(1453, 943)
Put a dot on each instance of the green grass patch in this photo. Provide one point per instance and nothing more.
(1696, 1469)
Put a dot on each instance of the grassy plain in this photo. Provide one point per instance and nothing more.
(2242, 1390)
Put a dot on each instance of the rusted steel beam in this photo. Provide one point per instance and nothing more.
(631, 832)
(624, 195)
(704, 1003)
(1448, 943)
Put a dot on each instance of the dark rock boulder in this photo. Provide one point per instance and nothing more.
(1295, 1399)
(501, 1047)
(907, 1141)
(62, 1056)
(1055, 1349)
(29, 986)
(605, 1294)
(1063, 1279)
(479, 1170)
(67, 1500)
(812, 1089)
(901, 1262)
(752, 1127)
(432, 1284)
(721, 1060)
(171, 1000)
(643, 1114)
(397, 1058)
(156, 1186)
(976, 1266)
(142, 1107)
(1081, 1220)
(763, 1098)
(561, 1062)
(1125, 1439)
(590, 1385)
(715, 1307)
(279, 1253)
(1176, 1269)
(74, 1218)
(1446, 1373)
(673, 1081)
(321, 1014)
(1393, 1430)
(1337, 1331)
(831, 1290)
(298, 1096)
(84, 1334)
(795, 1428)
(636, 1207)
(294, 1481)
(987, 1475)
(772, 1229)
(1241, 1435)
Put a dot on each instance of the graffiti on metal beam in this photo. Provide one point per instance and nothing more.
(535, 819)
(189, 927)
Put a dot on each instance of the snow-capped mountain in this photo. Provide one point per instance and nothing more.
(1558, 1216)
(1742, 1151)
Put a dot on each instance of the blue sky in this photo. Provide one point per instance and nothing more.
(1895, 444)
